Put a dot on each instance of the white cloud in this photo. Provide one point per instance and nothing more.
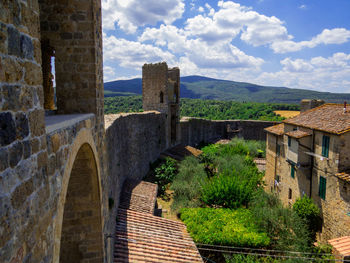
(130, 14)
(330, 74)
(232, 19)
(131, 54)
(302, 7)
(108, 73)
(327, 36)
(201, 9)
(204, 55)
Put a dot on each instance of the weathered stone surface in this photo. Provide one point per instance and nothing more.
(36, 122)
(26, 149)
(35, 145)
(7, 128)
(33, 74)
(13, 44)
(22, 127)
(3, 38)
(21, 193)
(27, 49)
(15, 153)
(4, 159)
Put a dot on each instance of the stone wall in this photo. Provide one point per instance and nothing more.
(196, 130)
(133, 140)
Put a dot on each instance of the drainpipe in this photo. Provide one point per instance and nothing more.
(312, 160)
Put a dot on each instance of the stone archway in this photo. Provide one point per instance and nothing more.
(81, 237)
(86, 229)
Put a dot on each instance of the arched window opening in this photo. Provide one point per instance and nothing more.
(49, 80)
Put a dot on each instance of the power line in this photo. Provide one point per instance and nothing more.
(270, 255)
(266, 250)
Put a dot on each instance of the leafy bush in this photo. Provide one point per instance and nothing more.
(164, 174)
(285, 228)
(309, 211)
(232, 188)
(188, 183)
(223, 227)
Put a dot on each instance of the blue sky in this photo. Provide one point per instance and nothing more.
(293, 43)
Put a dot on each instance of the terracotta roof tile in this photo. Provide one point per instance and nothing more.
(142, 237)
(328, 117)
(298, 134)
(276, 129)
(343, 176)
(341, 245)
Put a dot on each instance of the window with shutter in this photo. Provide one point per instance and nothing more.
(322, 187)
(292, 171)
(325, 146)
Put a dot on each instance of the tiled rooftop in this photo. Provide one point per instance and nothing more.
(276, 129)
(139, 196)
(143, 237)
(341, 245)
(328, 117)
(298, 134)
(343, 176)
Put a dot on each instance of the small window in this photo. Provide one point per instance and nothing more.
(325, 146)
(322, 187)
(161, 97)
(278, 178)
(278, 150)
(289, 141)
(292, 171)
(290, 194)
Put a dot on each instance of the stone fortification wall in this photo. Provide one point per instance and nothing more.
(133, 141)
(196, 130)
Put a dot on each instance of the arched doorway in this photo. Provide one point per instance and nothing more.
(81, 236)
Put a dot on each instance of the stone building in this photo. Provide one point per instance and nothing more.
(160, 92)
(51, 165)
(309, 155)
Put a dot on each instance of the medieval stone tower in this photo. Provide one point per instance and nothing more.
(160, 92)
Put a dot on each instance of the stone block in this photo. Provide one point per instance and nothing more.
(33, 74)
(21, 193)
(13, 71)
(35, 145)
(4, 159)
(22, 127)
(56, 142)
(27, 48)
(3, 38)
(26, 149)
(13, 44)
(15, 154)
(66, 35)
(36, 122)
(7, 129)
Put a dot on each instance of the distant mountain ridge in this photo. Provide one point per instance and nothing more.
(199, 87)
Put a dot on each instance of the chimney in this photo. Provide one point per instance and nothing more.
(344, 106)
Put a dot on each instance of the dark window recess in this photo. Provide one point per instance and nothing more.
(289, 141)
(325, 146)
(290, 194)
(292, 171)
(322, 187)
(161, 97)
(278, 150)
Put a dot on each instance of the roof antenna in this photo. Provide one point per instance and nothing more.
(344, 106)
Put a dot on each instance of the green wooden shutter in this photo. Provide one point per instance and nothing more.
(322, 187)
(325, 146)
(292, 171)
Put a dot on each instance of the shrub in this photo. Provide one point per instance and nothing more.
(187, 184)
(309, 211)
(285, 228)
(164, 173)
(223, 227)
